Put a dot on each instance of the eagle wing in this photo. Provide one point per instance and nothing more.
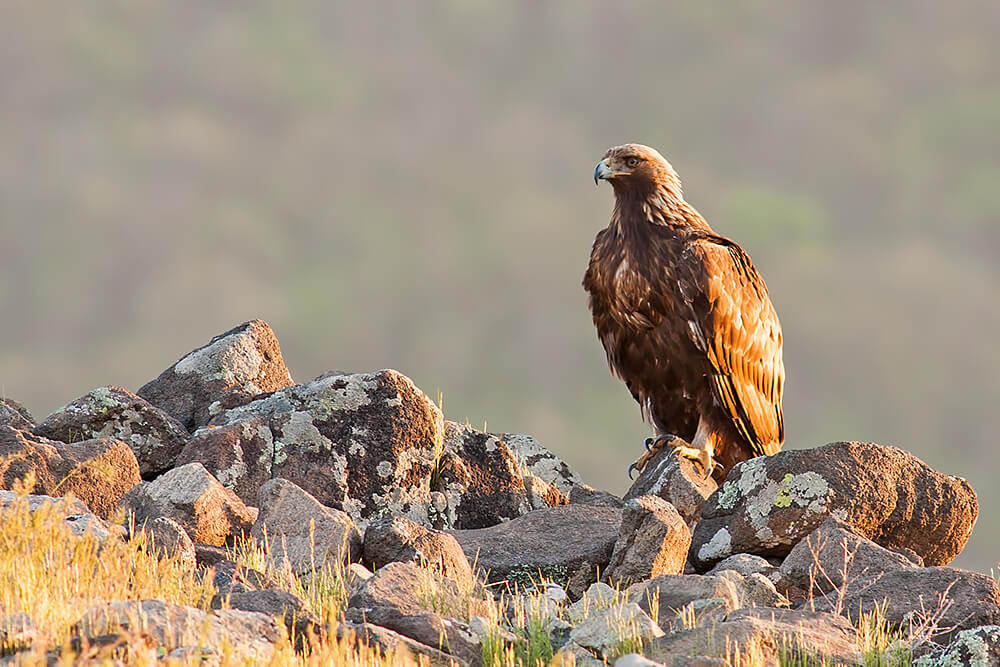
(735, 325)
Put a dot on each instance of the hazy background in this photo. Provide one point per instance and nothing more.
(408, 185)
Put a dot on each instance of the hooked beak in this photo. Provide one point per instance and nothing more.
(602, 170)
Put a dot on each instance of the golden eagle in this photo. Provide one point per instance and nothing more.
(685, 319)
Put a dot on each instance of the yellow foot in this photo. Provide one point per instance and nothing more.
(700, 456)
(653, 446)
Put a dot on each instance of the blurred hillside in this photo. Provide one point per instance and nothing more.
(408, 185)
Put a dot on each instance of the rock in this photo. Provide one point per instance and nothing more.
(398, 539)
(891, 497)
(364, 443)
(754, 637)
(480, 478)
(552, 543)
(541, 494)
(234, 368)
(960, 599)
(249, 636)
(745, 564)
(398, 648)
(394, 598)
(168, 538)
(17, 632)
(155, 437)
(208, 555)
(98, 472)
(597, 596)
(301, 530)
(636, 660)
(209, 512)
(540, 462)
(75, 515)
(582, 494)
(574, 654)
(755, 590)
(677, 480)
(653, 539)
(15, 415)
(604, 629)
(279, 604)
(230, 578)
(672, 592)
(234, 454)
(355, 575)
(835, 553)
(977, 647)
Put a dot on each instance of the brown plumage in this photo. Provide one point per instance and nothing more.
(684, 317)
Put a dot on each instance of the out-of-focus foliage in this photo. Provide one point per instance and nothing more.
(406, 184)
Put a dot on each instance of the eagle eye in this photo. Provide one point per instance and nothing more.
(632, 162)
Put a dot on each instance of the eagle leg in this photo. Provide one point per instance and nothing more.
(701, 456)
(653, 446)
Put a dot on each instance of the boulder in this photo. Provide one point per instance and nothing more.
(745, 564)
(553, 543)
(364, 443)
(604, 629)
(653, 539)
(168, 538)
(98, 472)
(977, 647)
(755, 590)
(584, 494)
(155, 437)
(15, 415)
(956, 599)
(768, 504)
(834, 554)
(400, 649)
(75, 514)
(290, 610)
(209, 512)
(678, 480)
(299, 529)
(239, 455)
(230, 578)
(540, 462)
(663, 596)
(397, 539)
(597, 596)
(232, 369)
(249, 636)
(755, 637)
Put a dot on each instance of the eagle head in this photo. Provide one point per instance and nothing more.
(638, 168)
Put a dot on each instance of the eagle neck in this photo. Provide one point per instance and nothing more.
(635, 211)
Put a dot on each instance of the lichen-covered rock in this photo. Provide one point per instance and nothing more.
(540, 462)
(208, 511)
(155, 437)
(768, 504)
(755, 636)
(964, 599)
(552, 543)
(299, 529)
(98, 472)
(653, 539)
(363, 443)
(233, 368)
(397, 539)
(15, 415)
(978, 647)
(834, 554)
(239, 455)
(676, 479)
(247, 635)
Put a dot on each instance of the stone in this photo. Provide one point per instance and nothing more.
(397, 539)
(17, 632)
(208, 555)
(154, 437)
(769, 503)
(355, 575)
(480, 478)
(976, 647)
(541, 494)
(281, 605)
(401, 649)
(75, 514)
(552, 543)
(958, 599)
(672, 592)
(239, 455)
(233, 368)
(745, 564)
(15, 415)
(395, 598)
(597, 596)
(636, 660)
(835, 553)
(540, 462)
(754, 637)
(230, 578)
(583, 494)
(299, 529)
(209, 512)
(572, 653)
(98, 472)
(168, 538)
(365, 444)
(603, 629)
(677, 480)
(653, 539)
(249, 636)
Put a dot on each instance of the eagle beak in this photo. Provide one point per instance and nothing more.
(602, 170)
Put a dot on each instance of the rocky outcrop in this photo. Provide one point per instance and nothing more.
(98, 472)
(676, 479)
(232, 369)
(155, 437)
(399, 540)
(15, 415)
(768, 504)
(653, 539)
